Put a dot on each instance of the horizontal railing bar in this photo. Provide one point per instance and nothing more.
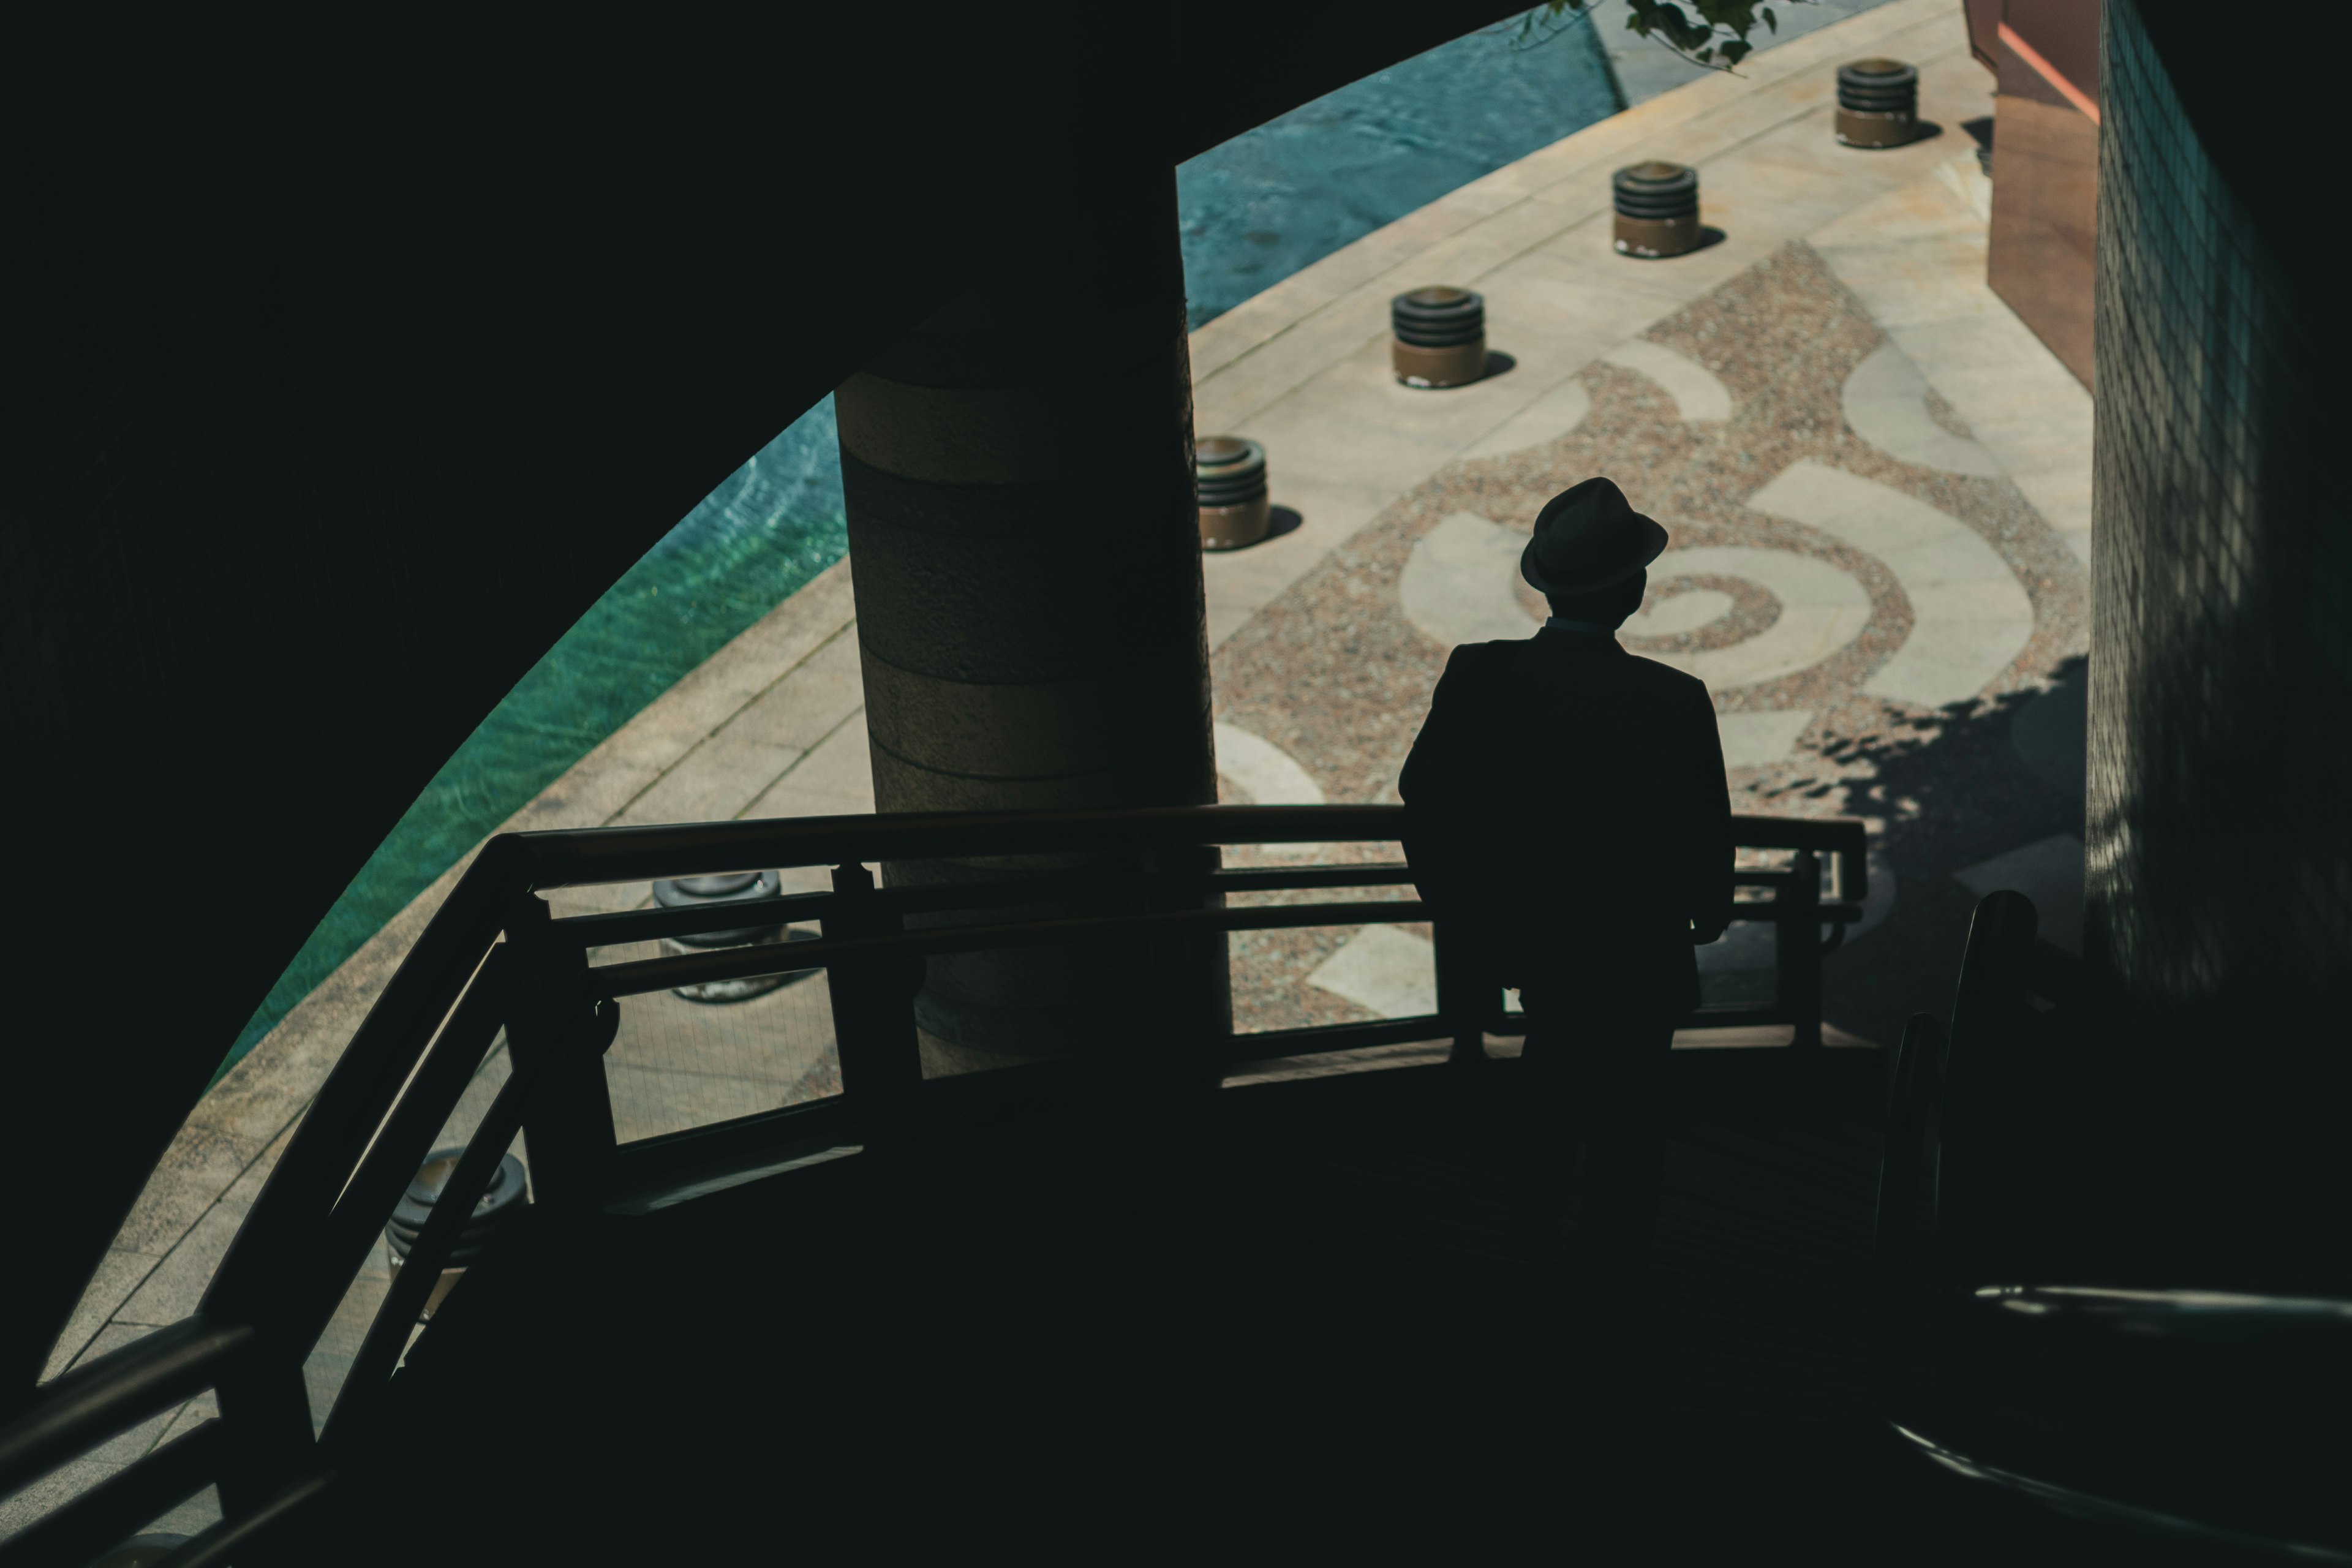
(120, 1505)
(455, 1056)
(647, 925)
(615, 930)
(1317, 1039)
(617, 927)
(624, 927)
(648, 1175)
(586, 857)
(1345, 1037)
(214, 1547)
(1290, 878)
(1724, 1015)
(663, 1190)
(580, 857)
(1708, 1015)
(621, 927)
(630, 926)
(83, 1408)
(671, 1157)
(646, 974)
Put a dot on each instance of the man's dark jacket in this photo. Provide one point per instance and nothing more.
(1565, 802)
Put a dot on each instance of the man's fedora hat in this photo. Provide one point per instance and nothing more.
(1587, 538)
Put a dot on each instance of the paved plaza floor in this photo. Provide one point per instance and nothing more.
(1877, 484)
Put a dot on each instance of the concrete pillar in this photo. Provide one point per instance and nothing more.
(1019, 482)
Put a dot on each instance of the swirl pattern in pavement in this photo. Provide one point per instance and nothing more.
(1877, 597)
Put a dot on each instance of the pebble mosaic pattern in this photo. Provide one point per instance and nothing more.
(1338, 675)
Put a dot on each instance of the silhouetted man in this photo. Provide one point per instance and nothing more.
(1566, 815)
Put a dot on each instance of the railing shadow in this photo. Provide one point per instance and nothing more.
(1952, 800)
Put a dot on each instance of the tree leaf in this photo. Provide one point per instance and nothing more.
(1717, 37)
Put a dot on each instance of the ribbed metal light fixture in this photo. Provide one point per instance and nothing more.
(729, 887)
(1878, 103)
(1440, 337)
(1231, 471)
(1657, 209)
(500, 1206)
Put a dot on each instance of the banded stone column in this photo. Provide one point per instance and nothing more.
(1018, 472)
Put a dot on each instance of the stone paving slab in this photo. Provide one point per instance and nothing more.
(1665, 375)
(1916, 259)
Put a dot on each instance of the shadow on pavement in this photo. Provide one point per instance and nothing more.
(1980, 796)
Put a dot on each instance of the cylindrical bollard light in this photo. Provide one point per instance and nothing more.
(1441, 337)
(729, 887)
(1230, 470)
(1878, 103)
(1657, 209)
(502, 1204)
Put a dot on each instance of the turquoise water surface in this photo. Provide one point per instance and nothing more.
(772, 526)
(1252, 211)
(1284, 195)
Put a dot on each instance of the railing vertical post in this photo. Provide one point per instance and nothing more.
(1900, 1231)
(872, 1011)
(1182, 1035)
(1796, 952)
(569, 1123)
(265, 1409)
(1466, 994)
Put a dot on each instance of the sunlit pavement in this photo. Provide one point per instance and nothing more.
(1876, 480)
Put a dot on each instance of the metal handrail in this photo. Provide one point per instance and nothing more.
(90, 1404)
(642, 975)
(589, 857)
(1904, 1184)
(85, 1529)
(492, 958)
(623, 927)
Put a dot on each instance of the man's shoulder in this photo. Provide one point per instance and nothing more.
(1479, 661)
(1487, 652)
(1473, 660)
(1665, 679)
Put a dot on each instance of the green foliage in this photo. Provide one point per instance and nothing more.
(1711, 33)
